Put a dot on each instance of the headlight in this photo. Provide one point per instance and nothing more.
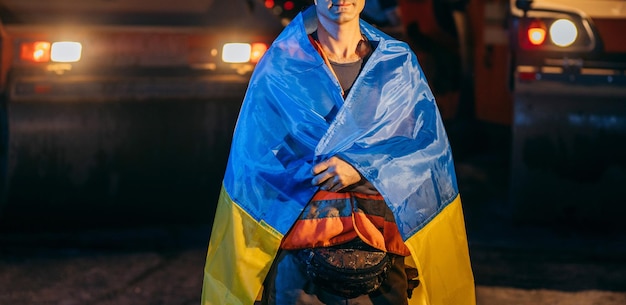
(563, 32)
(554, 31)
(243, 52)
(45, 51)
(65, 51)
(236, 52)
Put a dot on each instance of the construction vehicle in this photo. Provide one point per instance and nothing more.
(114, 110)
(552, 73)
(568, 75)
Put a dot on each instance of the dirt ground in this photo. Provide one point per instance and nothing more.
(513, 264)
(163, 266)
(512, 296)
(526, 263)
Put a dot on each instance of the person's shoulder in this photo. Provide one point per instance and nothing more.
(382, 38)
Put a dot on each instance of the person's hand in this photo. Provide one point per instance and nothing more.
(412, 279)
(334, 175)
(363, 187)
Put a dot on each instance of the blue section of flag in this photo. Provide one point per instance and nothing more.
(388, 127)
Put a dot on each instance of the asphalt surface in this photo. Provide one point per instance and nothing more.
(147, 263)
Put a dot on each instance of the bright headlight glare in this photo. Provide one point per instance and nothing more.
(66, 51)
(563, 32)
(236, 52)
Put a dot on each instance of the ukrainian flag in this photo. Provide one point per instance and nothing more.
(388, 128)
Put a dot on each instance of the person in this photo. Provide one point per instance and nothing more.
(338, 149)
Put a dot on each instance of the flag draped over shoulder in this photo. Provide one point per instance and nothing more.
(388, 128)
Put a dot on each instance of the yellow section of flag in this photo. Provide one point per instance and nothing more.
(239, 256)
(440, 253)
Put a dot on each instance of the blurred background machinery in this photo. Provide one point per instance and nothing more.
(551, 74)
(122, 106)
(121, 111)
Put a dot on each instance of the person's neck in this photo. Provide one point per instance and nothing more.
(339, 41)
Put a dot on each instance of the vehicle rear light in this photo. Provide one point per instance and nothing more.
(527, 76)
(42, 88)
(527, 73)
(38, 51)
(563, 32)
(536, 33)
(66, 51)
(258, 49)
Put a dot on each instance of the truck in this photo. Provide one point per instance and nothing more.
(117, 111)
(568, 78)
(551, 74)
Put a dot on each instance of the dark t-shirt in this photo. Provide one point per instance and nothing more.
(347, 73)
